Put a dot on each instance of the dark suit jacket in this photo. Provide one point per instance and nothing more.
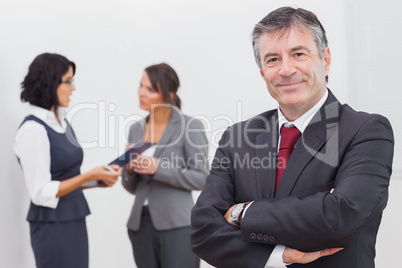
(182, 153)
(340, 148)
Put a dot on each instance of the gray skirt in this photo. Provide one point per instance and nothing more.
(60, 244)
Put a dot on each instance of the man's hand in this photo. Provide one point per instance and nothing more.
(228, 216)
(294, 256)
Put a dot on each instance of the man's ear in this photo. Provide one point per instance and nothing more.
(327, 60)
(262, 73)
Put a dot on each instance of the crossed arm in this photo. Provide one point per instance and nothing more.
(333, 220)
(291, 255)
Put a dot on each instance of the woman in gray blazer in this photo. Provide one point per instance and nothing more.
(163, 176)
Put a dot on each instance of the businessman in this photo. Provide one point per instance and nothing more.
(303, 185)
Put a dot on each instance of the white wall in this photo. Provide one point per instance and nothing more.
(208, 43)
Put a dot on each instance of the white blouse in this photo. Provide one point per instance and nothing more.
(32, 147)
(148, 152)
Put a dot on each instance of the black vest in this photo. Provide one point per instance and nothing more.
(65, 161)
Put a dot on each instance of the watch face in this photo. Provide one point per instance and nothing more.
(236, 212)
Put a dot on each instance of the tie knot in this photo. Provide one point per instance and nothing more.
(289, 137)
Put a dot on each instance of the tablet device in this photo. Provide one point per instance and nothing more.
(131, 153)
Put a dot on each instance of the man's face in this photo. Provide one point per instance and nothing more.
(293, 70)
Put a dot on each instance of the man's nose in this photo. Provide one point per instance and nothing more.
(287, 67)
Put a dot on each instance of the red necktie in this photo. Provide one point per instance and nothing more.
(289, 137)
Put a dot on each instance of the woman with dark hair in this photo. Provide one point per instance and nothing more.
(50, 157)
(163, 176)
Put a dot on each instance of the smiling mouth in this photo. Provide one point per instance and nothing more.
(289, 84)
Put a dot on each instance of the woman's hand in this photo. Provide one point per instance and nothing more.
(143, 165)
(106, 177)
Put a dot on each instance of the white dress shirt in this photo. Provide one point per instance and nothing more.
(32, 147)
(275, 259)
(150, 153)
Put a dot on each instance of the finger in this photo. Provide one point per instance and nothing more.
(135, 164)
(330, 251)
(115, 167)
(109, 168)
(107, 183)
(142, 170)
(138, 170)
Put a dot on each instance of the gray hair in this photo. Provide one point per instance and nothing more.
(283, 19)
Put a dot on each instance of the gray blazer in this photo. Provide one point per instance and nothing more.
(183, 167)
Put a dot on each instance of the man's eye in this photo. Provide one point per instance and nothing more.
(272, 60)
(299, 55)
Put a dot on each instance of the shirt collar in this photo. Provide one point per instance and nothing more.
(49, 118)
(302, 122)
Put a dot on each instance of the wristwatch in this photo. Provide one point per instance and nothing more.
(237, 212)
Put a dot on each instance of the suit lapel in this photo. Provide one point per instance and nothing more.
(265, 174)
(173, 132)
(321, 131)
